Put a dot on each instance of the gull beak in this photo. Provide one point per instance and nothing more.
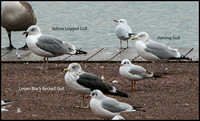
(25, 33)
(134, 38)
(66, 70)
(120, 64)
(88, 96)
(116, 20)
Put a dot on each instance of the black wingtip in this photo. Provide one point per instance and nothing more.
(184, 57)
(122, 94)
(138, 108)
(79, 51)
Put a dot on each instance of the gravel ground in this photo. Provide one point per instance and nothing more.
(43, 94)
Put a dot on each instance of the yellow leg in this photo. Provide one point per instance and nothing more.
(83, 102)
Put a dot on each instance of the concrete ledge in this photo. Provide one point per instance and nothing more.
(94, 55)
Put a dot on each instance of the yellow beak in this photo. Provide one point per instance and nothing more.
(134, 38)
(66, 70)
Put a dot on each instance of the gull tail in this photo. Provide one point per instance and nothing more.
(184, 56)
(157, 76)
(79, 51)
(138, 108)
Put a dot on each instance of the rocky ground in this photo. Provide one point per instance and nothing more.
(43, 94)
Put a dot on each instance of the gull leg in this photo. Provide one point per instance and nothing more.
(83, 102)
(120, 44)
(127, 44)
(47, 63)
(134, 86)
(44, 62)
(153, 66)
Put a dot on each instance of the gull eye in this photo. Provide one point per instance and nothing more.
(93, 93)
(33, 29)
(142, 35)
(74, 67)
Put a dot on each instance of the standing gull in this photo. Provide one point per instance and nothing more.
(134, 72)
(47, 46)
(16, 16)
(83, 83)
(107, 107)
(123, 31)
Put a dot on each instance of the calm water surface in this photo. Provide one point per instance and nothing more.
(172, 23)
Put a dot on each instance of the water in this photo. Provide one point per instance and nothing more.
(96, 28)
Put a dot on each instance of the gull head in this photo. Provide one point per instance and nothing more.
(121, 21)
(74, 67)
(125, 62)
(142, 36)
(96, 94)
(33, 30)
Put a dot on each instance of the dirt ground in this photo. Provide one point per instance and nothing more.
(43, 94)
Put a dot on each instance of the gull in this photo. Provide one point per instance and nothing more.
(17, 16)
(134, 72)
(123, 31)
(46, 45)
(154, 51)
(107, 107)
(83, 83)
(118, 117)
(5, 104)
